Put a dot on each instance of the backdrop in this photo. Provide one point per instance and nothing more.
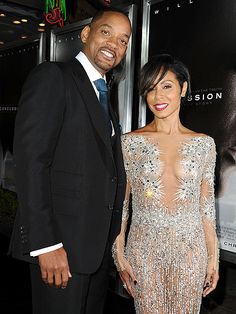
(202, 34)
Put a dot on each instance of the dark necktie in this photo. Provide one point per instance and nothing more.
(103, 94)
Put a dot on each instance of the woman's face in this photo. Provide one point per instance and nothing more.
(165, 97)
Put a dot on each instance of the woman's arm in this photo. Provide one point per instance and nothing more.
(207, 208)
(118, 248)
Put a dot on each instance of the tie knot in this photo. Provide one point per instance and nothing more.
(101, 85)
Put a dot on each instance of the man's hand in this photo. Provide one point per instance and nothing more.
(54, 268)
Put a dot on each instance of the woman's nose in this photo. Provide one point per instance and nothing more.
(158, 93)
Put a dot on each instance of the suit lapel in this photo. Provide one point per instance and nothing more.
(90, 99)
(114, 118)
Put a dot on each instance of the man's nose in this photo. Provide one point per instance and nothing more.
(112, 42)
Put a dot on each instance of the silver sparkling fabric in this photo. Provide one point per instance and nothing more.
(172, 232)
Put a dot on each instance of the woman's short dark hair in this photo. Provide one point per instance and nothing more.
(159, 65)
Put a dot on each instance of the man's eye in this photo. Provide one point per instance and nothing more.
(105, 32)
(123, 42)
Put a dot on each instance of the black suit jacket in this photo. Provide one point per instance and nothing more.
(70, 181)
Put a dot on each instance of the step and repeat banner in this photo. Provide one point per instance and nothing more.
(203, 35)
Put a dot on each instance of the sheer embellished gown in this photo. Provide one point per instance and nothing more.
(171, 183)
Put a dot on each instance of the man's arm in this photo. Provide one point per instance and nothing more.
(38, 124)
(46, 250)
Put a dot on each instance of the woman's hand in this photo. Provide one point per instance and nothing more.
(127, 276)
(211, 280)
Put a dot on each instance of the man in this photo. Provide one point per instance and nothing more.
(69, 173)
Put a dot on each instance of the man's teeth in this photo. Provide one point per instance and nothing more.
(107, 53)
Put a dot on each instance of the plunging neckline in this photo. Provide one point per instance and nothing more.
(174, 173)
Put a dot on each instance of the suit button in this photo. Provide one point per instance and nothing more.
(113, 179)
(23, 239)
(110, 206)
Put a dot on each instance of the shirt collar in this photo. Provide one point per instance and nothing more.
(92, 73)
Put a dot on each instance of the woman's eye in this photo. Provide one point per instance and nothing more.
(167, 86)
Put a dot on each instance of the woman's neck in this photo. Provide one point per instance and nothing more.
(167, 126)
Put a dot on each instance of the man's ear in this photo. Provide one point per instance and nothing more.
(85, 33)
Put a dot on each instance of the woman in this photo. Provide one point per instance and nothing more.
(171, 255)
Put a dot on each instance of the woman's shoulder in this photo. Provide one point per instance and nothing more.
(204, 137)
(144, 131)
(205, 142)
(200, 136)
(133, 140)
(129, 136)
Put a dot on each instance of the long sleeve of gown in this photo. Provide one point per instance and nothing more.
(118, 247)
(207, 206)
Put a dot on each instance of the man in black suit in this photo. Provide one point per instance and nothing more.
(70, 176)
